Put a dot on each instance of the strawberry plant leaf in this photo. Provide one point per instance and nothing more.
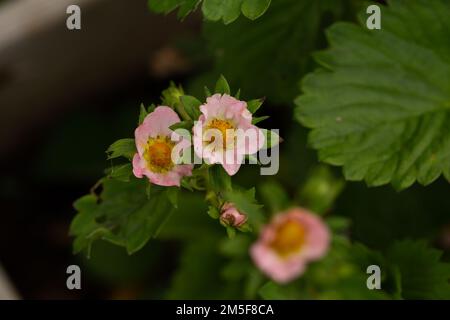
(213, 10)
(380, 104)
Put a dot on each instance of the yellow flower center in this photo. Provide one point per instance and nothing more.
(158, 154)
(222, 126)
(289, 238)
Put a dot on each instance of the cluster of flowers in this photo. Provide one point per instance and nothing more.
(285, 245)
(215, 137)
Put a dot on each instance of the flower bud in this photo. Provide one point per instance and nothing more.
(230, 216)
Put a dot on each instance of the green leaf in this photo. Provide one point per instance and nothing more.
(364, 257)
(172, 195)
(213, 212)
(253, 9)
(187, 7)
(245, 228)
(187, 183)
(124, 215)
(84, 225)
(271, 139)
(222, 86)
(145, 222)
(86, 205)
(121, 172)
(122, 148)
(151, 108)
(191, 106)
(231, 232)
(219, 179)
(207, 92)
(148, 190)
(171, 96)
(142, 114)
(380, 106)
(422, 274)
(214, 10)
(338, 224)
(182, 125)
(254, 282)
(254, 105)
(256, 120)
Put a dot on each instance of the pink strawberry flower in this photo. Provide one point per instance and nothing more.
(224, 132)
(155, 143)
(286, 245)
(231, 216)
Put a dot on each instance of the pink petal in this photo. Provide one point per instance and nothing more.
(184, 170)
(138, 171)
(278, 269)
(232, 167)
(156, 123)
(250, 141)
(284, 269)
(168, 179)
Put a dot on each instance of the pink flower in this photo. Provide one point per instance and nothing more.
(224, 132)
(155, 143)
(292, 240)
(231, 216)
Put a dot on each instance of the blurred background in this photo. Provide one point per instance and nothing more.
(65, 96)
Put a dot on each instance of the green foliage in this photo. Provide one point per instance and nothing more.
(182, 125)
(320, 190)
(196, 279)
(171, 96)
(191, 106)
(121, 172)
(256, 120)
(409, 269)
(271, 138)
(166, 6)
(222, 86)
(254, 105)
(123, 214)
(219, 180)
(379, 107)
(267, 56)
(274, 196)
(421, 273)
(172, 195)
(253, 9)
(189, 221)
(142, 114)
(214, 10)
(122, 148)
(213, 212)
